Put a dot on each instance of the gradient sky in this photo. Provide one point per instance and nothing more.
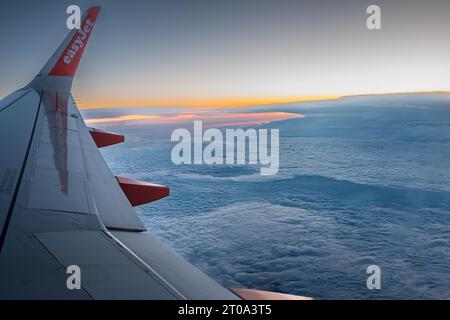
(233, 52)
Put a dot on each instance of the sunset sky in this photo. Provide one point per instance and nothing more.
(231, 53)
(218, 119)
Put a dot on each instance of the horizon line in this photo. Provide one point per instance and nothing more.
(241, 103)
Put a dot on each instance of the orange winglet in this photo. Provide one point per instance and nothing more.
(104, 139)
(67, 64)
(141, 192)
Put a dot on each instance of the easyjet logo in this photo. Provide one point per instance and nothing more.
(79, 41)
(67, 63)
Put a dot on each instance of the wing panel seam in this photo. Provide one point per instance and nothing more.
(60, 263)
(19, 181)
(13, 102)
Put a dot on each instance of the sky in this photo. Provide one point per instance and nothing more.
(233, 52)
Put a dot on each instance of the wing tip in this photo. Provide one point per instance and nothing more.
(67, 63)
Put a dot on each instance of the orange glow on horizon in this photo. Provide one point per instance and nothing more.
(226, 103)
(130, 117)
(216, 103)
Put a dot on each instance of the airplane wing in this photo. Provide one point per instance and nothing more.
(61, 206)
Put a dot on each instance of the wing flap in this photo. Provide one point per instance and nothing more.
(189, 281)
(108, 272)
(29, 271)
